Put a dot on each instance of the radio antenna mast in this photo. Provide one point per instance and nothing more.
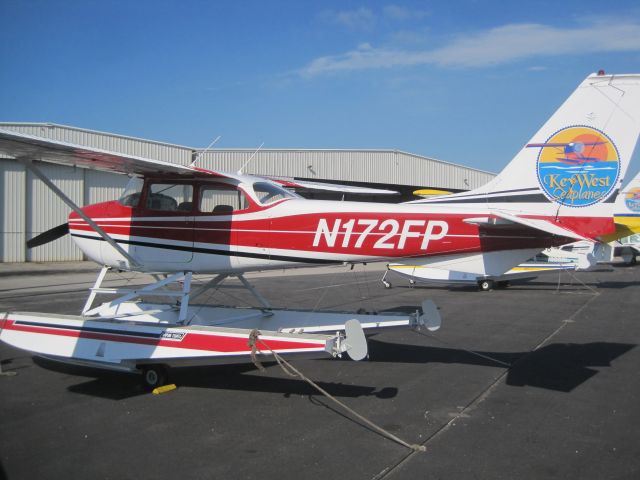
(250, 158)
(193, 163)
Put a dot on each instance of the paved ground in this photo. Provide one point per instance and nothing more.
(534, 381)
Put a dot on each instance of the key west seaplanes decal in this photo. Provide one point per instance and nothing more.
(577, 166)
(632, 199)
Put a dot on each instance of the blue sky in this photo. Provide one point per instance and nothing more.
(463, 81)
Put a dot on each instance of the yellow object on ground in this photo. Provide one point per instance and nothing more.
(164, 388)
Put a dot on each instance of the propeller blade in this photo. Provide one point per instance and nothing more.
(49, 236)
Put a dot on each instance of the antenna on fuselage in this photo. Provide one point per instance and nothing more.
(193, 163)
(250, 158)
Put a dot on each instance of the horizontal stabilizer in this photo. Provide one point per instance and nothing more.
(540, 224)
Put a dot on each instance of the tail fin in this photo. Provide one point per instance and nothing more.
(580, 155)
(574, 165)
(628, 201)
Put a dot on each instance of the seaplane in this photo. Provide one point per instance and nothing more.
(174, 221)
(573, 151)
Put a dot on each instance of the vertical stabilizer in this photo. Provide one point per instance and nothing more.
(574, 165)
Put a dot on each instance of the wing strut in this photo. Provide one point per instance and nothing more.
(38, 173)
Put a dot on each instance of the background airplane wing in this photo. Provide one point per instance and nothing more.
(332, 187)
(23, 147)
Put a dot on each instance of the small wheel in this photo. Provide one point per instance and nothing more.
(154, 376)
(412, 283)
(485, 285)
(386, 284)
(633, 260)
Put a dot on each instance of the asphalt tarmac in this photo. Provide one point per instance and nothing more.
(539, 380)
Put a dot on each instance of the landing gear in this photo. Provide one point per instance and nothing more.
(628, 255)
(154, 376)
(387, 284)
(487, 284)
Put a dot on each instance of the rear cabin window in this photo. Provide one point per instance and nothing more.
(170, 197)
(268, 193)
(221, 199)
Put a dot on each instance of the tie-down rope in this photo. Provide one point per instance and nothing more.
(254, 340)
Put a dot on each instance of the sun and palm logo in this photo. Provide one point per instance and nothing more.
(577, 166)
(632, 199)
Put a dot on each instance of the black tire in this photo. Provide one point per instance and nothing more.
(154, 376)
(633, 260)
(503, 284)
(485, 285)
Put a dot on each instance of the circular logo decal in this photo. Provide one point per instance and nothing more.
(632, 199)
(577, 166)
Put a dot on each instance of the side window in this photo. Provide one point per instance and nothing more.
(221, 199)
(131, 195)
(630, 240)
(170, 197)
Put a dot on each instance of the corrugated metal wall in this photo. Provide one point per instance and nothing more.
(30, 208)
(13, 212)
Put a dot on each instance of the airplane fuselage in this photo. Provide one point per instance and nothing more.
(297, 232)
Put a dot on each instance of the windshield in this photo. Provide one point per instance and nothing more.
(269, 192)
(131, 195)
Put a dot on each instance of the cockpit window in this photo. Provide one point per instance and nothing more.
(131, 195)
(268, 192)
(170, 197)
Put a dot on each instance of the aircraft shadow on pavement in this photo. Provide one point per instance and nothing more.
(240, 377)
(559, 366)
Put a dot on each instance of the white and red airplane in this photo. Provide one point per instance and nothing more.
(178, 220)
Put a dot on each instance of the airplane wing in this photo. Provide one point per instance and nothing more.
(20, 146)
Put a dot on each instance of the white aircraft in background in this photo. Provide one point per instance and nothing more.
(571, 257)
(575, 256)
(625, 241)
(179, 220)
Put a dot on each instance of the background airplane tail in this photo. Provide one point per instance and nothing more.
(626, 211)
